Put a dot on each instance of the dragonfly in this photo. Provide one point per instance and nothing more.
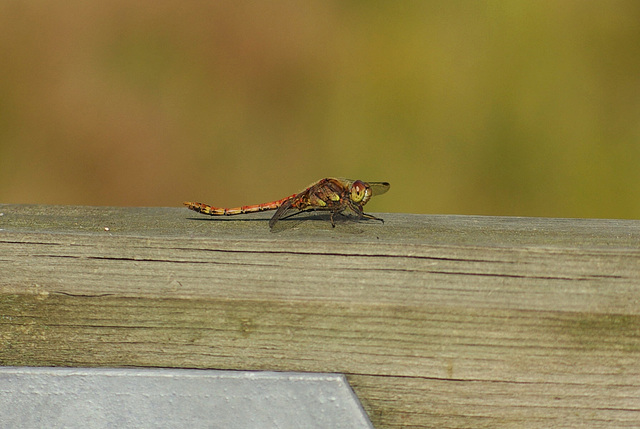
(335, 195)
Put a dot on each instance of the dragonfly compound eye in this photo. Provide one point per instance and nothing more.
(360, 192)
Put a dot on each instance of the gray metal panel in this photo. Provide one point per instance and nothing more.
(175, 398)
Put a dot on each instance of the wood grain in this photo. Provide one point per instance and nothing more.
(438, 321)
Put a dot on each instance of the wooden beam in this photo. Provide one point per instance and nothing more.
(438, 321)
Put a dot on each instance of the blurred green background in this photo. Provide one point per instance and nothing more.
(466, 107)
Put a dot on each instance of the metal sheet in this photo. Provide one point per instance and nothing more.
(175, 398)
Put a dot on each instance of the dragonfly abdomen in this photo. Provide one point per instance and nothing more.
(230, 211)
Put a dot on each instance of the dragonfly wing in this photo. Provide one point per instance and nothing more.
(284, 211)
(379, 188)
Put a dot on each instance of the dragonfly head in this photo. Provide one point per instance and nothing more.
(360, 192)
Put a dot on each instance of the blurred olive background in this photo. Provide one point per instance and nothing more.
(466, 107)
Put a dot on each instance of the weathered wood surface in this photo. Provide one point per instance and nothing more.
(438, 321)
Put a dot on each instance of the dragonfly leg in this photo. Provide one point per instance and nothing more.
(368, 216)
(357, 209)
(333, 222)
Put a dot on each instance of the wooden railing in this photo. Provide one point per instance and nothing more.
(437, 321)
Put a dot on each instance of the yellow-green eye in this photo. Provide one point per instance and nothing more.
(360, 192)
